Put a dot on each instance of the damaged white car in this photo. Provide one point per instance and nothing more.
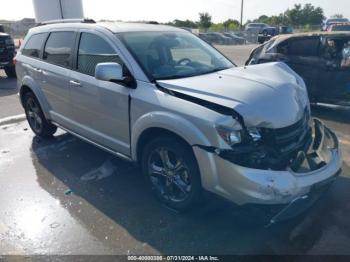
(165, 99)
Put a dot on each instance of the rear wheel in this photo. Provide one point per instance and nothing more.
(171, 168)
(36, 119)
(10, 71)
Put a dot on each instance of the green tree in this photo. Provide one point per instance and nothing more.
(232, 25)
(205, 21)
(305, 15)
(217, 27)
(338, 16)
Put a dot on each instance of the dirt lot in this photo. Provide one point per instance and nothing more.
(48, 204)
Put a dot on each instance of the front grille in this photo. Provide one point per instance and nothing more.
(289, 140)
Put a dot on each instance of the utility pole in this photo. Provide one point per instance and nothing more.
(242, 7)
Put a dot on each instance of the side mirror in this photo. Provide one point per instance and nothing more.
(109, 72)
(113, 72)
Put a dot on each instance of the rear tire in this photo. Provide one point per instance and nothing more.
(10, 71)
(35, 117)
(172, 171)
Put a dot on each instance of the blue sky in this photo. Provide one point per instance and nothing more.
(167, 10)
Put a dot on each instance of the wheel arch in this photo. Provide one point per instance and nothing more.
(29, 85)
(162, 123)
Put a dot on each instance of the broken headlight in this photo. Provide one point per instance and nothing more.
(254, 134)
(230, 136)
(233, 137)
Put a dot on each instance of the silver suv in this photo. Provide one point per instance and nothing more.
(193, 121)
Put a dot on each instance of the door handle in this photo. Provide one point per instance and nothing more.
(74, 83)
(38, 70)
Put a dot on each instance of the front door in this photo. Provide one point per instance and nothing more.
(101, 109)
(335, 78)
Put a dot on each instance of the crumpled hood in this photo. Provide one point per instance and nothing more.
(268, 95)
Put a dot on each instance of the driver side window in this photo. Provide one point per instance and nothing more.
(92, 51)
(187, 52)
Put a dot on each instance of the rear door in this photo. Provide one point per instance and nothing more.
(101, 109)
(58, 55)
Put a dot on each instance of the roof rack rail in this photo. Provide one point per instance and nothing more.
(84, 20)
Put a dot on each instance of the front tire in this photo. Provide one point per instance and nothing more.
(10, 71)
(172, 171)
(36, 119)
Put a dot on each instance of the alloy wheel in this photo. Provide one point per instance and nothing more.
(169, 175)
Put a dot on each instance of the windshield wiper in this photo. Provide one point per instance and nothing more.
(216, 70)
(173, 77)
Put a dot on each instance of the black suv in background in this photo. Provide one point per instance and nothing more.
(7, 53)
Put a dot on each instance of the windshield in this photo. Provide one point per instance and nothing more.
(172, 55)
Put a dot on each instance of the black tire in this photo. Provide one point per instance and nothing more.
(180, 189)
(35, 117)
(10, 71)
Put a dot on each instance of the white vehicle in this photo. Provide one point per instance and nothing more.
(193, 121)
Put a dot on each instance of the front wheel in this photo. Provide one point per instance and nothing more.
(36, 119)
(171, 168)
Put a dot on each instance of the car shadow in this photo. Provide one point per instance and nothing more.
(210, 228)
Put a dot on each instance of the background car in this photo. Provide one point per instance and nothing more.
(339, 27)
(261, 28)
(329, 22)
(237, 40)
(7, 53)
(321, 59)
(283, 30)
(216, 38)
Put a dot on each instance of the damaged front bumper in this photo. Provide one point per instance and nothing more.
(292, 187)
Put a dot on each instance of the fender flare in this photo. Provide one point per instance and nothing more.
(35, 88)
(169, 122)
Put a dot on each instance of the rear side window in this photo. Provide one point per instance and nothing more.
(92, 51)
(59, 48)
(304, 47)
(34, 45)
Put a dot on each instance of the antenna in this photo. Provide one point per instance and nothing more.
(61, 9)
